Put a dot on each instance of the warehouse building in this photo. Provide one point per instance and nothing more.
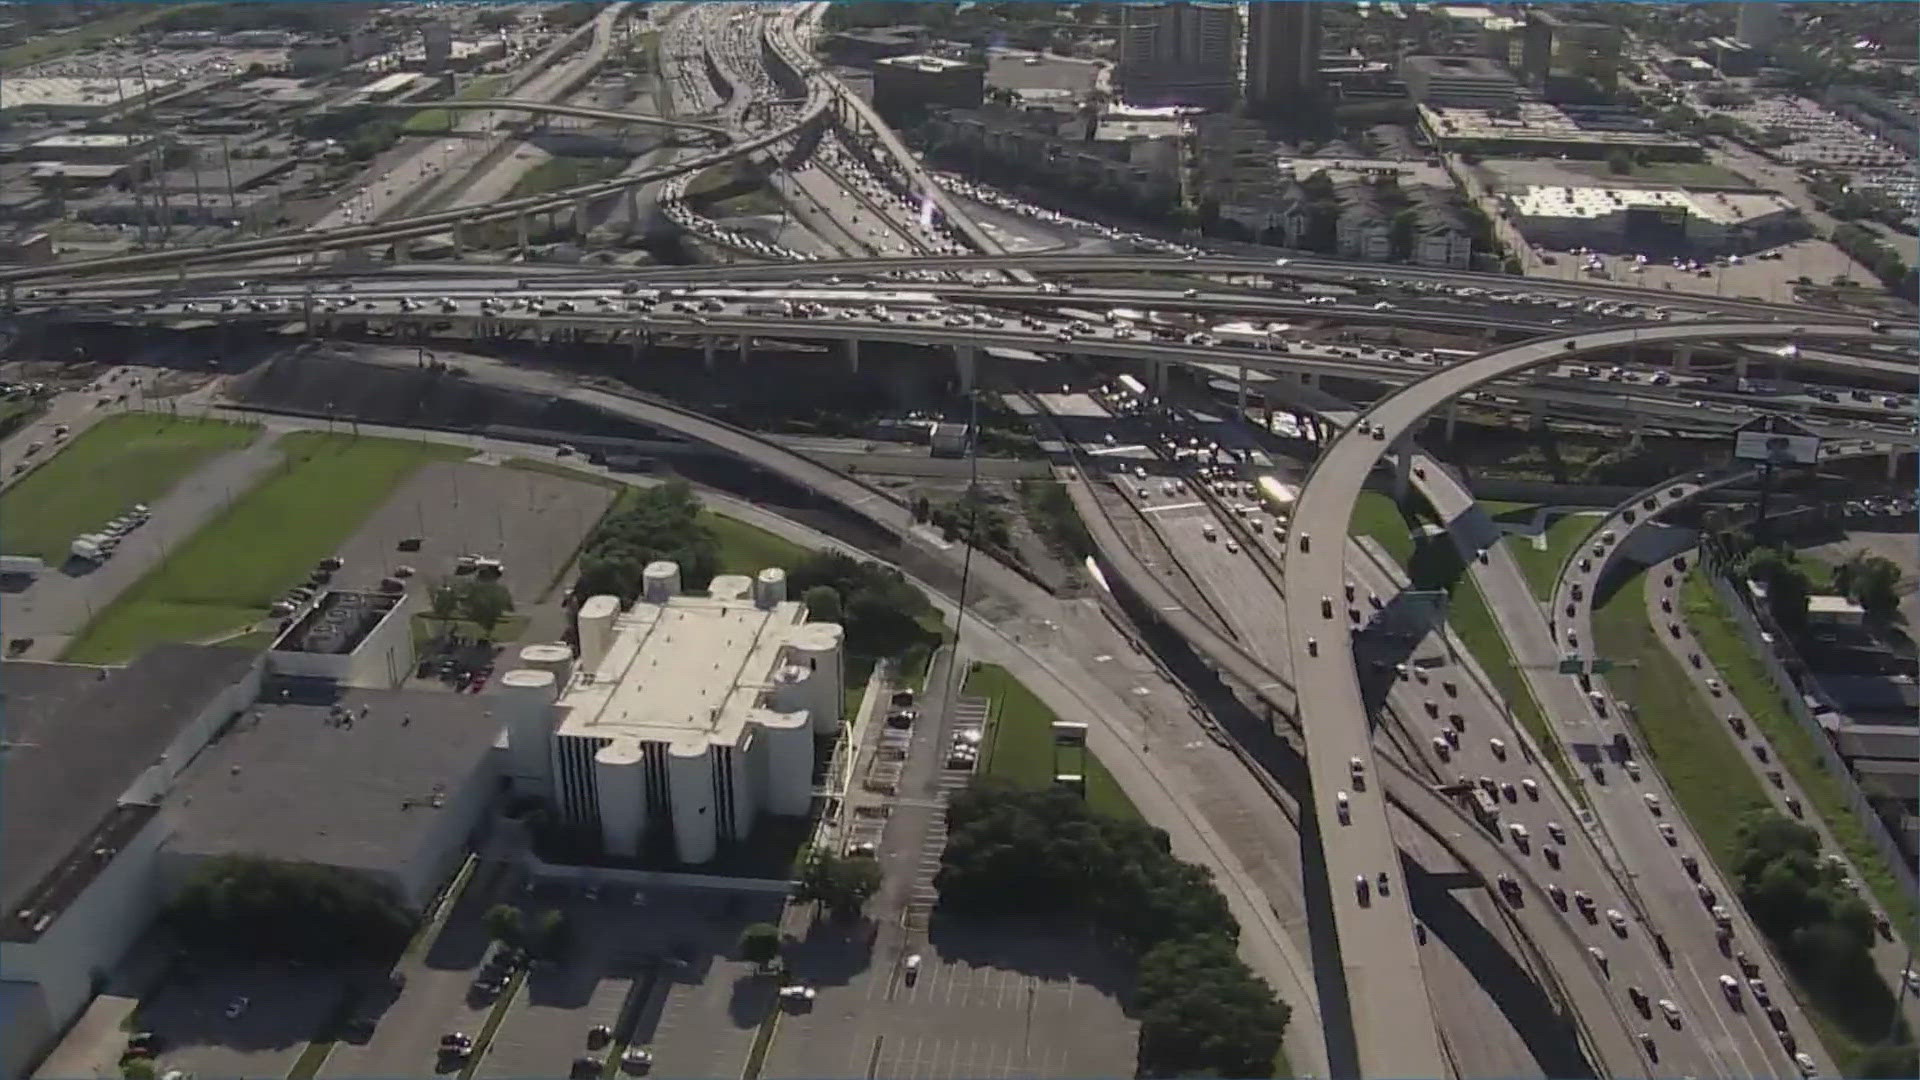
(92, 754)
(1652, 220)
(67, 98)
(906, 86)
(685, 717)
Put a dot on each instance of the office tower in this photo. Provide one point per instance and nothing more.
(1283, 53)
(1179, 54)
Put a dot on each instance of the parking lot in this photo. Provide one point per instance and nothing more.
(987, 1002)
(532, 521)
(285, 1008)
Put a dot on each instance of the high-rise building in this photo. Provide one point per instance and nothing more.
(1283, 53)
(1757, 24)
(1179, 54)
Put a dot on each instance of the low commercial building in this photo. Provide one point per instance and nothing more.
(1835, 611)
(1652, 220)
(88, 148)
(91, 754)
(1537, 129)
(388, 784)
(906, 86)
(685, 717)
(1459, 82)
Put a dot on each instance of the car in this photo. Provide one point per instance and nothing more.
(1520, 836)
(1342, 807)
(1667, 833)
(1730, 986)
(1759, 989)
(1558, 895)
(1362, 890)
(1598, 955)
(1617, 921)
(912, 968)
(1652, 801)
(1805, 1063)
(1691, 865)
(1306, 542)
(637, 1058)
(1381, 883)
(1506, 790)
(1720, 916)
(1714, 686)
(1313, 647)
(1646, 1043)
(1585, 903)
(1532, 788)
(1641, 1003)
(237, 1006)
(1793, 806)
(1671, 1012)
(586, 1067)
(1499, 748)
(1440, 748)
(1326, 607)
(1554, 830)
(1358, 769)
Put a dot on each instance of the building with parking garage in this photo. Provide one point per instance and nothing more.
(684, 718)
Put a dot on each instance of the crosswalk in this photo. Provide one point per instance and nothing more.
(969, 714)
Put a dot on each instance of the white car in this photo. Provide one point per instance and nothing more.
(1499, 748)
(1341, 805)
(1519, 832)
(1807, 1067)
(1554, 830)
(1532, 789)
(1653, 801)
(1671, 1011)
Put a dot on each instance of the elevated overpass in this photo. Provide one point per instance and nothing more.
(546, 108)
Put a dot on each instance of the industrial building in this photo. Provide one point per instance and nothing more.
(64, 98)
(1283, 53)
(1179, 54)
(1459, 82)
(905, 86)
(388, 784)
(351, 638)
(684, 718)
(91, 755)
(1537, 129)
(1652, 220)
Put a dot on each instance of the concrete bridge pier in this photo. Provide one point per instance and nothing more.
(967, 364)
(401, 250)
(633, 207)
(1241, 393)
(1159, 378)
(1536, 415)
(746, 346)
(1402, 468)
(1636, 431)
(1893, 463)
(1740, 365)
(853, 356)
(582, 215)
(707, 358)
(1453, 418)
(1682, 358)
(459, 239)
(522, 228)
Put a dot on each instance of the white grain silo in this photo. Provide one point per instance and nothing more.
(660, 582)
(817, 646)
(620, 781)
(596, 629)
(526, 699)
(549, 656)
(789, 767)
(770, 588)
(690, 781)
(730, 587)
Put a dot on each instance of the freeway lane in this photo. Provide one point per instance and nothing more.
(1332, 707)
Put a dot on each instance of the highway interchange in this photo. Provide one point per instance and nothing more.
(907, 282)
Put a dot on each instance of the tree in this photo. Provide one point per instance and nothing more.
(506, 925)
(760, 944)
(137, 1068)
(1888, 1063)
(552, 934)
(444, 601)
(1619, 163)
(486, 603)
(660, 523)
(823, 604)
(1873, 581)
(840, 884)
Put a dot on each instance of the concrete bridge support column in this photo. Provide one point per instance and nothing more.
(633, 208)
(401, 250)
(1636, 431)
(1536, 415)
(1241, 399)
(1453, 418)
(1740, 365)
(967, 362)
(1159, 373)
(853, 356)
(582, 209)
(707, 352)
(746, 346)
(1682, 358)
(1893, 464)
(1402, 468)
(522, 227)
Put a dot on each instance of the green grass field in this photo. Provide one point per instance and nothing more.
(1020, 742)
(431, 121)
(749, 549)
(1686, 739)
(1747, 680)
(122, 460)
(1434, 563)
(226, 575)
(1542, 565)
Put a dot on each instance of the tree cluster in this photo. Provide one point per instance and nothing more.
(261, 908)
(547, 937)
(659, 523)
(1050, 509)
(1863, 247)
(481, 601)
(1788, 588)
(841, 884)
(1819, 927)
(974, 517)
(1011, 851)
(880, 608)
(1871, 581)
